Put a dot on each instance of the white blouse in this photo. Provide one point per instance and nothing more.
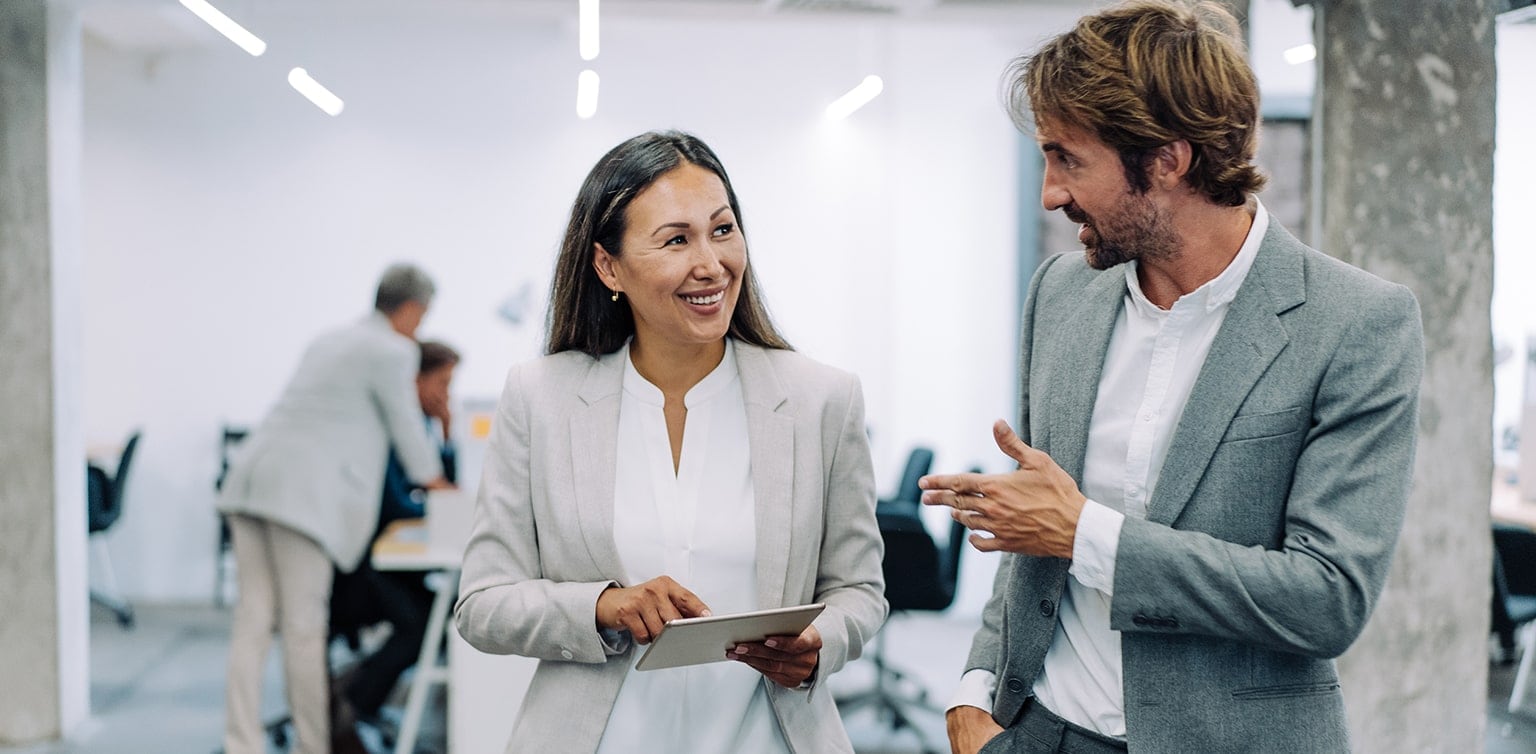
(658, 529)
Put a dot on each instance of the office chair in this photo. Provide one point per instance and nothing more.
(1514, 600)
(103, 507)
(919, 461)
(918, 576)
(224, 559)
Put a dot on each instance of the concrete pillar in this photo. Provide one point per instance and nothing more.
(1407, 112)
(44, 654)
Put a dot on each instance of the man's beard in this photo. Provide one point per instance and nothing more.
(1138, 230)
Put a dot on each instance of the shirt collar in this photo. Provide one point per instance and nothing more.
(717, 380)
(1220, 290)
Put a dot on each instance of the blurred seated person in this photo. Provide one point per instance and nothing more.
(401, 598)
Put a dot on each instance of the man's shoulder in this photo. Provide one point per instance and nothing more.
(1328, 273)
(1333, 284)
(371, 334)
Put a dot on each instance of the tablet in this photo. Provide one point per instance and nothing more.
(694, 641)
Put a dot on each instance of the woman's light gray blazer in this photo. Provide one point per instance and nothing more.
(542, 548)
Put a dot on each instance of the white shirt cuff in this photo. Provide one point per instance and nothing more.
(977, 689)
(1095, 547)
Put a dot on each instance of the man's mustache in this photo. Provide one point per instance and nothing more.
(1074, 214)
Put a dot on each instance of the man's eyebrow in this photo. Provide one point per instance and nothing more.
(1054, 146)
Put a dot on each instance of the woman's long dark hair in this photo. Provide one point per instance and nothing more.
(582, 315)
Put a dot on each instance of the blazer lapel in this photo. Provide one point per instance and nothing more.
(1250, 338)
(594, 458)
(1074, 365)
(771, 437)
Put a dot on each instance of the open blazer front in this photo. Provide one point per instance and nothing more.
(542, 549)
(1271, 530)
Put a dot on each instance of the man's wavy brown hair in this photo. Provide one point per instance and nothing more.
(1147, 73)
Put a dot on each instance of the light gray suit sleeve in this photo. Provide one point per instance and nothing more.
(1342, 515)
(849, 578)
(506, 606)
(393, 382)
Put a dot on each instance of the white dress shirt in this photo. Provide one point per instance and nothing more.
(1153, 359)
(696, 525)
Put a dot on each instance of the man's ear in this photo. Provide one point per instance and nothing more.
(1170, 163)
(602, 262)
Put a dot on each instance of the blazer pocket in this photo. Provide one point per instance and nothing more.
(1268, 424)
(1285, 691)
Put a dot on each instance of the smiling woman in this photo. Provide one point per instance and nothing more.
(582, 314)
(590, 535)
(681, 266)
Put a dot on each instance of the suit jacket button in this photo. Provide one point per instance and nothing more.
(1140, 620)
(1015, 685)
(566, 653)
(1046, 608)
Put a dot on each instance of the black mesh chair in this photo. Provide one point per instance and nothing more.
(103, 508)
(919, 575)
(1514, 600)
(224, 558)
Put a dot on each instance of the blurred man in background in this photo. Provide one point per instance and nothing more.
(302, 497)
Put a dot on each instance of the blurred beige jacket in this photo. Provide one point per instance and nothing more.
(316, 464)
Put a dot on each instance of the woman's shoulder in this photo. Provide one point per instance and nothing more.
(799, 373)
(565, 371)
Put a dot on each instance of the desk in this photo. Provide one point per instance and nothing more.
(485, 691)
(1507, 507)
(403, 547)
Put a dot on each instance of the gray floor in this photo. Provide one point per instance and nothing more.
(159, 688)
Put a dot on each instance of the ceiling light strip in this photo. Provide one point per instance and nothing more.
(226, 26)
(312, 90)
(586, 94)
(1300, 54)
(586, 33)
(856, 98)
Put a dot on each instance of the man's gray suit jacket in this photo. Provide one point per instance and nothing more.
(1271, 530)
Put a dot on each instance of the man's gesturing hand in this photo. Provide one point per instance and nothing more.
(1033, 510)
(643, 609)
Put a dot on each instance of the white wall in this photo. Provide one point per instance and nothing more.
(228, 220)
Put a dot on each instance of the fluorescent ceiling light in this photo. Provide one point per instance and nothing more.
(586, 16)
(856, 98)
(1300, 54)
(314, 92)
(226, 26)
(586, 94)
